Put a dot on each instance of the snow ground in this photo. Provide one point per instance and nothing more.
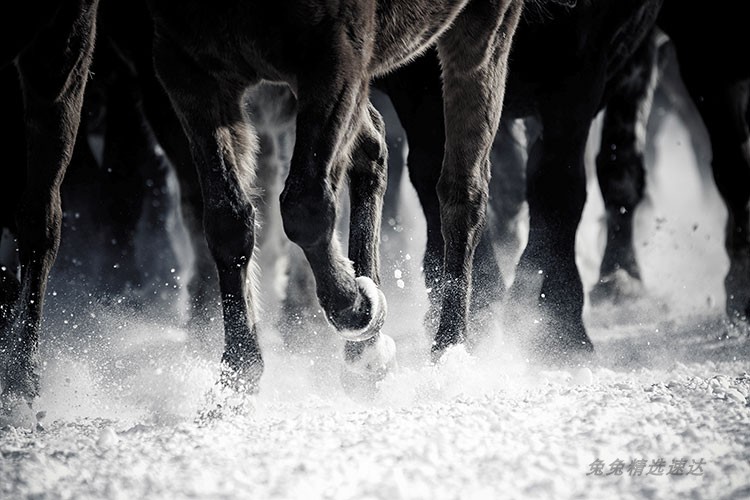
(129, 400)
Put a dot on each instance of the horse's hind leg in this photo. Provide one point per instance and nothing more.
(367, 185)
(506, 198)
(416, 93)
(53, 73)
(329, 104)
(724, 109)
(508, 192)
(202, 289)
(546, 297)
(223, 148)
(127, 152)
(621, 173)
(474, 56)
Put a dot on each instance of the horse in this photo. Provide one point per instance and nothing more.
(558, 81)
(206, 59)
(51, 46)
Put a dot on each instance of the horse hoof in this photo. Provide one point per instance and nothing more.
(378, 310)
(362, 372)
(617, 288)
(15, 411)
(375, 360)
(241, 377)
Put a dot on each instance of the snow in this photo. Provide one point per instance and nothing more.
(132, 410)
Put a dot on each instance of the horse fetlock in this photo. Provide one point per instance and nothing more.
(19, 373)
(559, 340)
(308, 224)
(444, 338)
(371, 312)
(737, 285)
(617, 287)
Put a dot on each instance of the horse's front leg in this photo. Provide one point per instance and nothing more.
(474, 54)
(223, 147)
(53, 71)
(374, 357)
(329, 103)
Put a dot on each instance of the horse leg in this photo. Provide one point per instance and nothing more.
(273, 110)
(329, 105)
(203, 293)
(474, 54)
(223, 147)
(724, 110)
(395, 138)
(53, 73)
(126, 150)
(621, 173)
(374, 357)
(546, 297)
(13, 145)
(9, 287)
(508, 192)
(417, 96)
(204, 304)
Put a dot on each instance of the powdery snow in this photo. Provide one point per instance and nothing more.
(132, 410)
(468, 428)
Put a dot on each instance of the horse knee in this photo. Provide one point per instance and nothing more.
(369, 174)
(309, 218)
(463, 203)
